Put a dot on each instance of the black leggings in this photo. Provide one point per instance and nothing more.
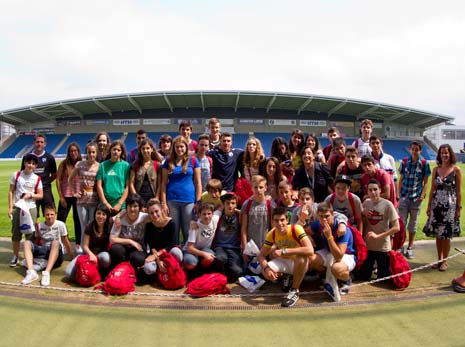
(63, 214)
(120, 253)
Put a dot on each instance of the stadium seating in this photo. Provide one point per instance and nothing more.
(397, 148)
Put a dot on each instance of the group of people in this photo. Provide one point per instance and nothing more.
(183, 198)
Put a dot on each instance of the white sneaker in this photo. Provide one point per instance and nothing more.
(14, 261)
(45, 281)
(31, 276)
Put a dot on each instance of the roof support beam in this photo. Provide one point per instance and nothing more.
(273, 99)
(237, 102)
(367, 111)
(102, 106)
(168, 102)
(399, 115)
(305, 104)
(40, 113)
(135, 104)
(336, 108)
(423, 121)
(72, 110)
(13, 118)
(202, 101)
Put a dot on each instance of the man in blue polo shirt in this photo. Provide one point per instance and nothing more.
(226, 161)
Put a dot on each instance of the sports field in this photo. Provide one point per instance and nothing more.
(433, 322)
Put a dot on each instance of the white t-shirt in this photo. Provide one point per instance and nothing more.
(132, 231)
(52, 233)
(25, 184)
(203, 236)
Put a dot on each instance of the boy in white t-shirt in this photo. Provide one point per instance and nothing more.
(24, 185)
(53, 234)
(199, 241)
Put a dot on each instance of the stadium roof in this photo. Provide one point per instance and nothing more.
(138, 105)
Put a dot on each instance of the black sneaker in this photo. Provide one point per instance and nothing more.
(14, 261)
(291, 298)
(344, 287)
(287, 283)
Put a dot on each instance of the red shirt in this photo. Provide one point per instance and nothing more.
(385, 180)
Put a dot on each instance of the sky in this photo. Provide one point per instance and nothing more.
(406, 53)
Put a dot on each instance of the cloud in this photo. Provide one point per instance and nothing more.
(404, 53)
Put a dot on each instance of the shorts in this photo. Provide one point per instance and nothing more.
(284, 265)
(43, 252)
(16, 235)
(347, 259)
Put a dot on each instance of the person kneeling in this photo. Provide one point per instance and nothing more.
(335, 254)
(290, 248)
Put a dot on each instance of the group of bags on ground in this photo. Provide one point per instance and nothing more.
(121, 279)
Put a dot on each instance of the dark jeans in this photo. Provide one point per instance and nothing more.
(63, 214)
(382, 263)
(231, 260)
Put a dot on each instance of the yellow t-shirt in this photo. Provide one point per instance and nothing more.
(289, 240)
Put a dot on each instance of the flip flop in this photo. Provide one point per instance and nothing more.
(435, 266)
(443, 266)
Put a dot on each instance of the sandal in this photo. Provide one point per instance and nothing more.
(443, 266)
(435, 266)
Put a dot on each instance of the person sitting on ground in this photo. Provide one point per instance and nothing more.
(227, 242)
(335, 254)
(96, 242)
(200, 239)
(53, 234)
(127, 234)
(160, 236)
(26, 185)
(380, 222)
(290, 249)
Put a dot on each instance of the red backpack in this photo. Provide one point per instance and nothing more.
(174, 277)
(120, 280)
(361, 250)
(399, 237)
(243, 190)
(397, 265)
(87, 274)
(208, 284)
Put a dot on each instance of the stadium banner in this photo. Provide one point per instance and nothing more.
(194, 121)
(377, 125)
(44, 130)
(68, 123)
(98, 122)
(161, 121)
(119, 122)
(284, 122)
(250, 121)
(312, 123)
(342, 124)
(223, 129)
(223, 121)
